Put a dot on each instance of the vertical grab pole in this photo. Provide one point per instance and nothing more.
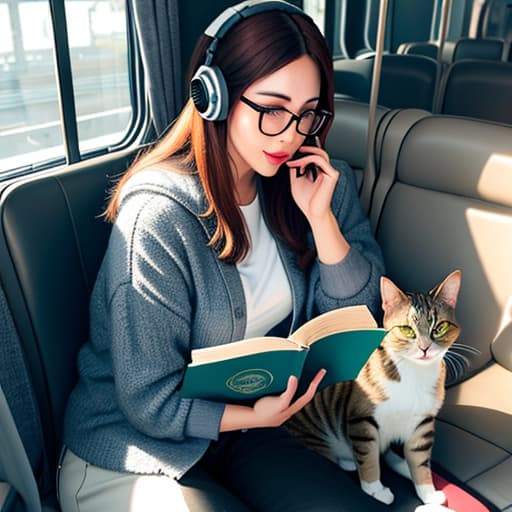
(441, 38)
(370, 173)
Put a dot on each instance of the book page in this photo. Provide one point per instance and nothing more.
(241, 348)
(337, 320)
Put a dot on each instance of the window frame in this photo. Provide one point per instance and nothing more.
(66, 97)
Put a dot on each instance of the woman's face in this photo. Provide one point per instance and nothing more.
(296, 87)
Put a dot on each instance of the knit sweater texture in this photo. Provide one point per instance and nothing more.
(161, 292)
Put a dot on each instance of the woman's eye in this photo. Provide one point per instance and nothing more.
(308, 114)
(274, 112)
(407, 331)
(440, 329)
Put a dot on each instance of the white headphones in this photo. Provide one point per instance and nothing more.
(208, 87)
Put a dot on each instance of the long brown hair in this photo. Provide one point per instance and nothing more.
(254, 48)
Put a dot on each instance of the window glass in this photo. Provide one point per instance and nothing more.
(316, 9)
(30, 120)
(30, 127)
(99, 61)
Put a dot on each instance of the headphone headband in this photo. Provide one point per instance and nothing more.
(232, 15)
(208, 87)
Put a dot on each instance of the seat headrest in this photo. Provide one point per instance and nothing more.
(487, 49)
(460, 156)
(479, 89)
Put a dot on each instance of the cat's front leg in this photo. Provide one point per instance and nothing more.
(417, 451)
(363, 433)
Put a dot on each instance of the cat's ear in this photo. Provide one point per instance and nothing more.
(448, 290)
(391, 294)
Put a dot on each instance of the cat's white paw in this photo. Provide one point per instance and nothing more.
(437, 498)
(347, 464)
(429, 495)
(433, 508)
(378, 491)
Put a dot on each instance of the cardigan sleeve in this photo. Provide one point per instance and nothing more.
(150, 315)
(355, 279)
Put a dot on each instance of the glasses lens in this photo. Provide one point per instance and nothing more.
(310, 122)
(274, 121)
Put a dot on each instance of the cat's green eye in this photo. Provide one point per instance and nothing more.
(441, 329)
(407, 331)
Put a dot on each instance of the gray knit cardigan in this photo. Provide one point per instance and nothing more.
(160, 292)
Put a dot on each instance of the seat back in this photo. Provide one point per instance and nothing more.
(479, 89)
(406, 81)
(443, 202)
(348, 136)
(425, 48)
(485, 49)
(52, 240)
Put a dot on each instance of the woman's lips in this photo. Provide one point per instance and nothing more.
(277, 158)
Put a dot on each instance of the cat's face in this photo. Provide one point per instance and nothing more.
(421, 327)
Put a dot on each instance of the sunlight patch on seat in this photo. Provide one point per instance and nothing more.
(495, 182)
(494, 247)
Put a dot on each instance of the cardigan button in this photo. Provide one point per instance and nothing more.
(239, 312)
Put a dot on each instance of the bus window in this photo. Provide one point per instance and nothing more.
(316, 9)
(31, 125)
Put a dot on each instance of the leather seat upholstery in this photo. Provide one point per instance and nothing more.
(348, 136)
(52, 241)
(481, 48)
(479, 89)
(407, 81)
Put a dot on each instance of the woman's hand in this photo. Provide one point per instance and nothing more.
(313, 196)
(269, 411)
(273, 411)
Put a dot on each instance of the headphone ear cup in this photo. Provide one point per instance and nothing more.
(209, 93)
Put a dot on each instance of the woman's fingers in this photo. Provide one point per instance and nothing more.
(273, 411)
(318, 160)
(291, 389)
(308, 395)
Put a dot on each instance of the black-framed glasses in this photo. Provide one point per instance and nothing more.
(275, 120)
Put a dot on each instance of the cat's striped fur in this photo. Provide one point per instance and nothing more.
(395, 397)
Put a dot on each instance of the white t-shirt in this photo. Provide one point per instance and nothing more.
(267, 291)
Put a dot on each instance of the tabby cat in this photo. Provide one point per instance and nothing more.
(395, 397)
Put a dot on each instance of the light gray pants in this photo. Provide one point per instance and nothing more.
(82, 488)
(262, 470)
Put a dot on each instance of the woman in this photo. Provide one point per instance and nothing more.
(220, 233)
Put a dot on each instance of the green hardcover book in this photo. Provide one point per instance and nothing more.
(339, 341)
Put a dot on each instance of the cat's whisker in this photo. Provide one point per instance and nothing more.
(452, 369)
(466, 348)
(456, 362)
(460, 357)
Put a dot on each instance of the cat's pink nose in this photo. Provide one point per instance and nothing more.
(424, 350)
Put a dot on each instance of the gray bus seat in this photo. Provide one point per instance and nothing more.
(425, 48)
(481, 48)
(407, 81)
(52, 240)
(348, 136)
(477, 88)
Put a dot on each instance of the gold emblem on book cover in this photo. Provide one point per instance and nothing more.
(250, 381)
